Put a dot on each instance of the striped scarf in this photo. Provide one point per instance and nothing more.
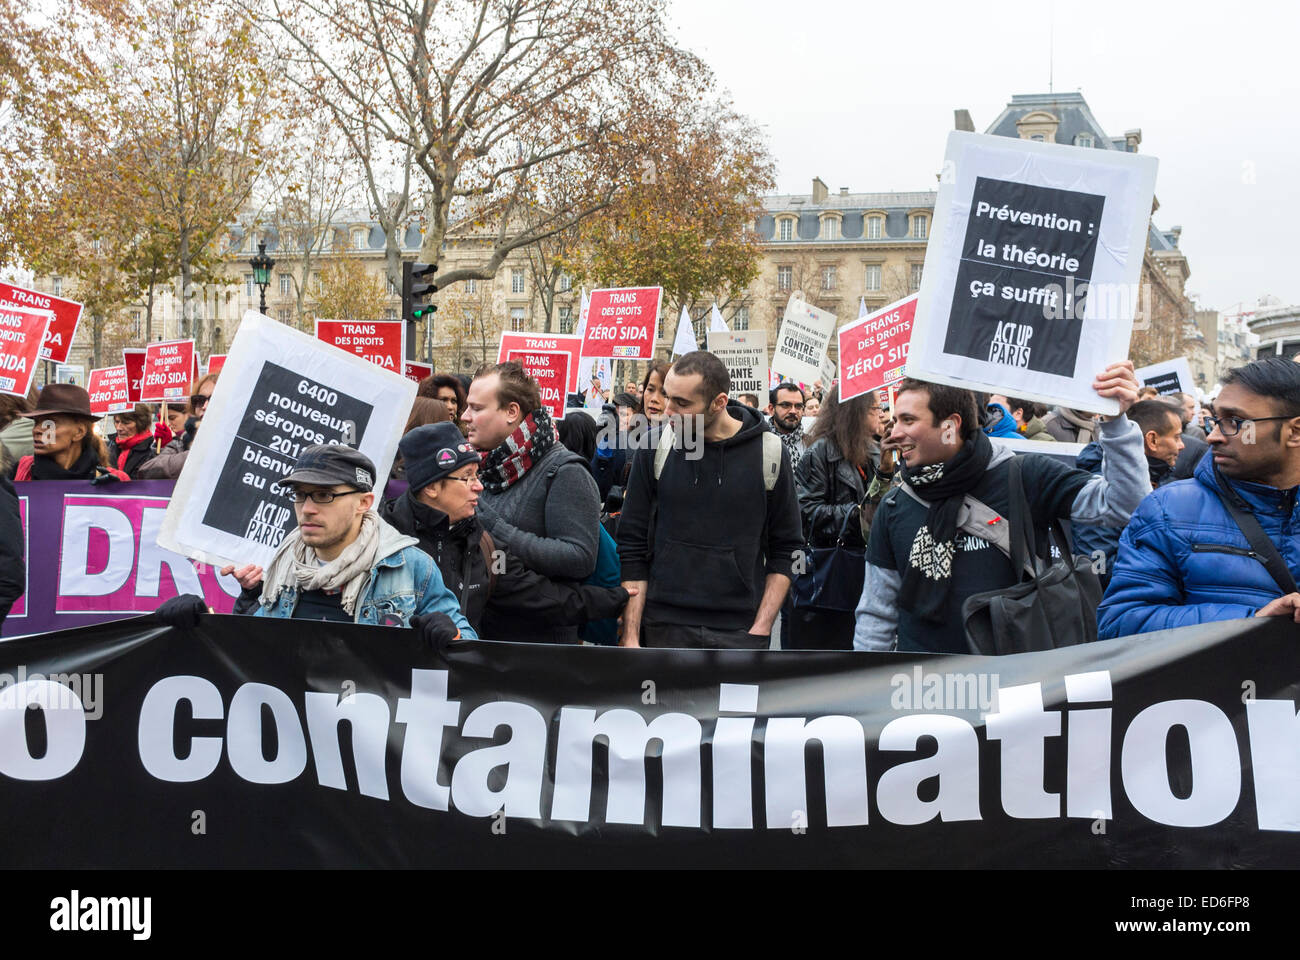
(515, 456)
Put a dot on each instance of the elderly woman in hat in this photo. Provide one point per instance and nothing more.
(65, 444)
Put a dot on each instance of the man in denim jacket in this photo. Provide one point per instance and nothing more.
(342, 562)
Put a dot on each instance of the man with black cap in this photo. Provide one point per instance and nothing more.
(342, 562)
(501, 598)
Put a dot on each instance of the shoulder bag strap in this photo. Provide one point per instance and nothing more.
(1264, 549)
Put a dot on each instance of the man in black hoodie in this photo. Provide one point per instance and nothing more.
(706, 542)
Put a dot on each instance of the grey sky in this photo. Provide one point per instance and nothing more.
(862, 95)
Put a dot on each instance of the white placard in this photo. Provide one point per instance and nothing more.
(744, 353)
(801, 344)
(280, 391)
(1169, 376)
(1031, 274)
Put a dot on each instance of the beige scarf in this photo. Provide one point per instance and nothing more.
(295, 565)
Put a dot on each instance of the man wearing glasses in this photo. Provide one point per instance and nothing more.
(787, 419)
(168, 464)
(342, 562)
(1224, 544)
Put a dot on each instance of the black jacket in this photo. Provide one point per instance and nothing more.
(706, 534)
(517, 603)
(1194, 447)
(140, 454)
(830, 490)
(13, 580)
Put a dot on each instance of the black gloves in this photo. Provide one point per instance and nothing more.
(603, 603)
(102, 476)
(436, 629)
(182, 612)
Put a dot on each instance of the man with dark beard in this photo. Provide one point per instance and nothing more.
(788, 403)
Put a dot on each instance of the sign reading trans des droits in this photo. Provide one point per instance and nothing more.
(551, 371)
(21, 332)
(1169, 376)
(570, 343)
(1030, 285)
(382, 342)
(873, 350)
(108, 391)
(168, 372)
(63, 324)
(280, 391)
(801, 343)
(621, 324)
(744, 353)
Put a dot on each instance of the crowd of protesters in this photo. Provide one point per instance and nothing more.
(681, 514)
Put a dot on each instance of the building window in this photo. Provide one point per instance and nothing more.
(315, 283)
(784, 278)
(517, 280)
(918, 226)
(1037, 137)
(469, 322)
(58, 286)
(566, 319)
(471, 285)
(284, 285)
(1083, 140)
(916, 275)
(137, 326)
(740, 319)
(359, 240)
(517, 318)
(875, 227)
(390, 314)
(566, 283)
(659, 334)
(392, 288)
(248, 285)
(283, 314)
(828, 278)
(786, 231)
(831, 228)
(873, 277)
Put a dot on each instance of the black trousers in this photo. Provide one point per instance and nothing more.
(808, 629)
(656, 633)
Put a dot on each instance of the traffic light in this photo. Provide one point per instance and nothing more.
(417, 283)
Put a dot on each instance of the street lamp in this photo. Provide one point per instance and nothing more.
(262, 265)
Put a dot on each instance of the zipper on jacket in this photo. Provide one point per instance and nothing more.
(1223, 548)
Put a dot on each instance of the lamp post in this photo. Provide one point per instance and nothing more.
(262, 265)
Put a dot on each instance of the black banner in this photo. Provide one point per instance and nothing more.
(1025, 249)
(261, 742)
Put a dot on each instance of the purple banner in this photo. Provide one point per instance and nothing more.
(92, 555)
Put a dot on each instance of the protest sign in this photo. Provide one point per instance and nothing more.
(416, 371)
(569, 343)
(744, 353)
(63, 324)
(801, 344)
(133, 360)
(827, 371)
(873, 350)
(1137, 751)
(1030, 283)
(73, 373)
(168, 369)
(621, 323)
(215, 362)
(280, 391)
(92, 555)
(22, 330)
(382, 342)
(550, 368)
(1169, 376)
(108, 393)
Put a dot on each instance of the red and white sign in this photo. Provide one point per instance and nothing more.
(551, 371)
(569, 343)
(22, 329)
(133, 359)
(416, 371)
(107, 389)
(216, 362)
(63, 326)
(621, 323)
(168, 371)
(873, 350)
(382, 342)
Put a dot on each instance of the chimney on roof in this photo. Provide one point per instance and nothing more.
(961, 121)
(844, 191)
(819, 191)
(1176, 232)
(1132, 138)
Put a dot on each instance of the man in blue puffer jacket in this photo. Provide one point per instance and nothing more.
(1182, 559)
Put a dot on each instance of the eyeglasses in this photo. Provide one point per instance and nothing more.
(320, 496)
(465, 480)
(198, 400)
(790, 406)
(1231, 426)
